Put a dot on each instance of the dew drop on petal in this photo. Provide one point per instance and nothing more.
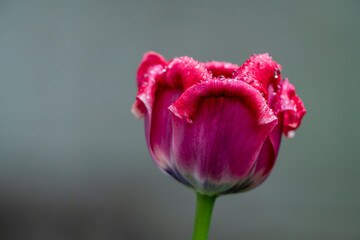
(291, 134)
(276, 76)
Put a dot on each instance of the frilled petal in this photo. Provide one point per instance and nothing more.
(290, 105)
(260, 71)
(219, 148)
(150, 69)
(221, 68)
(189, 102)
(149, 60)
(183, 72)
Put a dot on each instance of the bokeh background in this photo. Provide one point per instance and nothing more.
(73, 160)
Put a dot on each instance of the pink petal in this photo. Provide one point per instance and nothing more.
(221, 68)
(150, 70)
(266, 158)
(159, 129)
(189, 102)
(220, 147)
(149, 60)
(288, 103)
(260, 71)
(183, 72)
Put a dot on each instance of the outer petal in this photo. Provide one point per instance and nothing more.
(189, 102)
(183, 72)
(260, 71)
(160, 128)
(150, 69)
(288, 103)
(220, 147)
(221, 68)
(149, 60)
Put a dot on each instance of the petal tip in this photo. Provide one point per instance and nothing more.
(136, 111)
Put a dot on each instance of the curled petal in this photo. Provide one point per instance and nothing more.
(290, 105)
(150, 70)
(183, 72)
(260, 71)
(220, 147)
(149, 60)
(189, 102)
(221, 68)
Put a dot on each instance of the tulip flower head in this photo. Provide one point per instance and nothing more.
(215, 127)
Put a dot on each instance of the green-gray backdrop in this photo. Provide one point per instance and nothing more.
(73, 160)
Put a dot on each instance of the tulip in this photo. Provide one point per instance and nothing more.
(215, 127)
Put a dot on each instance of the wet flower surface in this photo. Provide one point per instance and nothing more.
(215, 127)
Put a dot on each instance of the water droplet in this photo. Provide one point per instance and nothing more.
(274, 93)
(276, 76)
(233, 73)
(221, 76)
(197, 66)
(237, 78)
(146, 75)
(291, 134)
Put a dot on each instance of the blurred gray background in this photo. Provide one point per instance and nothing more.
(73, 159)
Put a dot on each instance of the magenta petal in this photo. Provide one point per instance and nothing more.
(221, 68)
(221, 145)
(290, 105)
(189, 102)
(150, 59)
(260, 71)
(150, 69)
(267, 157)
(159, 129)
(183, 72)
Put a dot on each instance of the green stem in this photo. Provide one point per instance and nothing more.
(204, 207)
